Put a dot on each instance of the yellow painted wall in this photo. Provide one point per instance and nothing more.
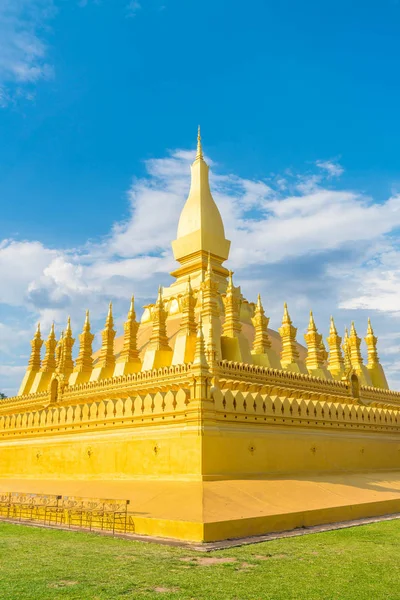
(246, 450)
(166, 452)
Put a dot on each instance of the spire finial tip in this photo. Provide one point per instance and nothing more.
(199, 153)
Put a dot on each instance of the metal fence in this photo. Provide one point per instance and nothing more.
(68, 511)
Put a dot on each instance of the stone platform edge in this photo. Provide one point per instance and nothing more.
(221, 545)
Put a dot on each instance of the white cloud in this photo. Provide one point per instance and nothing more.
(133, 7)
(331, 167)
(307, 243)
(377, 282)
(23, 53)
(21, 263)
(11, 337)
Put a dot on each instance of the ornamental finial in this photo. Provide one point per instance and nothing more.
(131, 313)
(370, 331)
(68, 329)
(209, 268)
(86, 325)
(49, 361)
(200, 358)
(335, 363)
(333, 329)
(84, 362)
(374, 367)
(129, 356)
(286, 320)
(311, 324)
(260, 322)
(199, 154)
(230, 282)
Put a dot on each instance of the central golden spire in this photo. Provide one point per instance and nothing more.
(200, 229)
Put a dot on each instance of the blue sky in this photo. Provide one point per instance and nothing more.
(99, 105)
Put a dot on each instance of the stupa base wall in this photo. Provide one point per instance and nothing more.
(172, 451)
(186, 451)
(226, 509)
(247, 449)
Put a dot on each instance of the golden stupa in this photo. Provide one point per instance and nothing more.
(212, 424)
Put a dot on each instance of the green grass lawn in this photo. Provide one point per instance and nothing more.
(362, 562)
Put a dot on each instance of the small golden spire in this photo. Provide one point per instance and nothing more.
(199, 154)
(313, 339)
(370, 331)
(332, 329)
(378, 378)
(323, 354)
(107, 357)
(286, 320)
(188, 322)
(65, 364)
(159, 299)
(131, 313)
(208, 285)
(159, 338)
(210, 311)
(129, 352)
(84, 361)
(287, 331)
(59, 349)
(260, 322)
(200, 357)
(230, 281)
(36, 344)
(211, 346)
(355, 357)
(354, 343)
(209, 267)
(110, 320)
(86, 325)
(232, 301)
(371, 342)
(336, 364)
(346, 350)
(311, 324)
(34, 363)
(49, 361)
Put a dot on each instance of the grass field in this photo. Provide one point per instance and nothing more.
(39, 564)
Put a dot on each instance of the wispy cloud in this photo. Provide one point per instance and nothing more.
(331, 167)
(23, 51)
(133, 8)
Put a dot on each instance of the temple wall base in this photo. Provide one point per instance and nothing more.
(219, 510)
(148, 453)
(240, 450)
